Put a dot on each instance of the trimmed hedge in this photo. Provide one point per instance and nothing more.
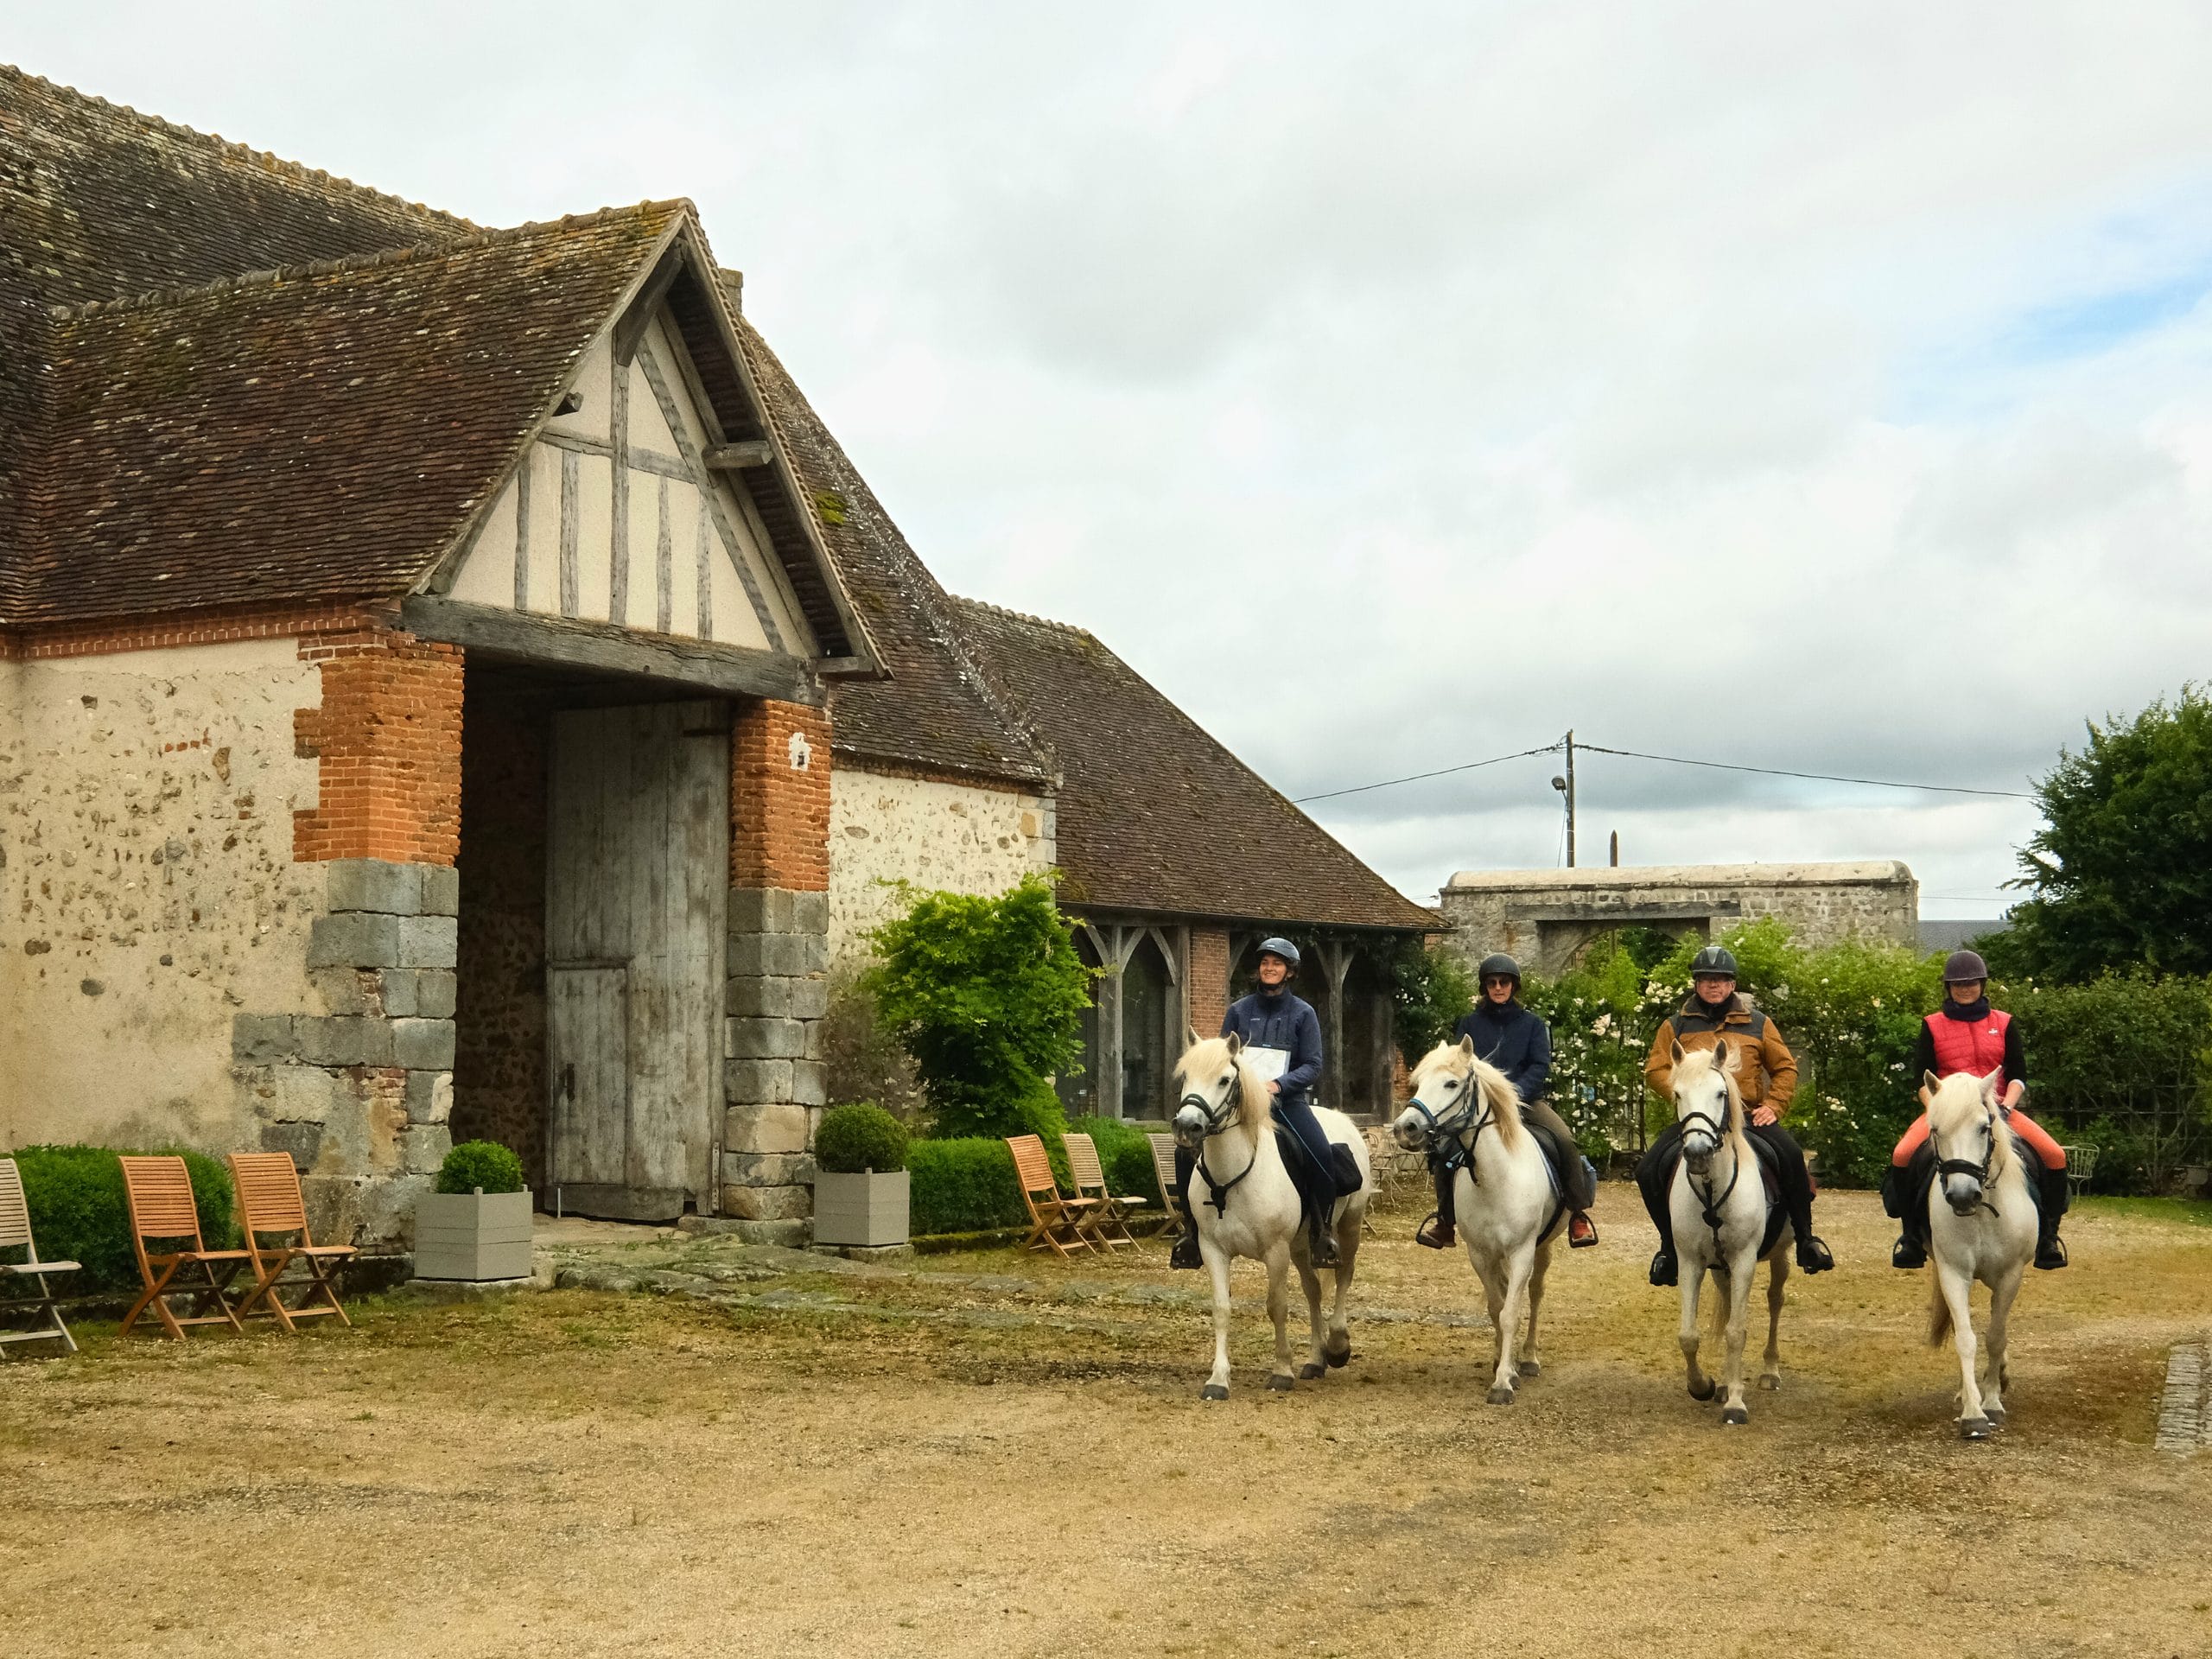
(79, 1213)
(1126, 1154)
(853, 1140)
(966, 1186)
(485, 1164)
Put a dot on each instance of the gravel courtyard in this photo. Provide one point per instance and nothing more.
(988, 1455)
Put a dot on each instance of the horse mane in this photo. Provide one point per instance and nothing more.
(1501, 1097)
(1954, 1103)
(1255, 1104)
(1710, 1059)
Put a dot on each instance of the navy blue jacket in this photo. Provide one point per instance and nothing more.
(1516, 1041)
(1284, 1021)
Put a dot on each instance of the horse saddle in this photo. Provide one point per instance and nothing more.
(1344, 1169)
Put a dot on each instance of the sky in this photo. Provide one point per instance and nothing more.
(1820, 388)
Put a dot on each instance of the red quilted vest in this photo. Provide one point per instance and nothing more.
(1975, 1045)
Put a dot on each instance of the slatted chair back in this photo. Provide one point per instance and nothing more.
(1110, 1224)
(268, 1188)
(1056, 1221)
(159, 1192)
(1083, 1163)
(15, 1210)
(1163, 1166)
(1033, 1167)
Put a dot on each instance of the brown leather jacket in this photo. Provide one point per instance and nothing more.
(1767, 1071)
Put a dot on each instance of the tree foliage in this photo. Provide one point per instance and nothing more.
(1431, 990)
(2121, 874)
(986, 994)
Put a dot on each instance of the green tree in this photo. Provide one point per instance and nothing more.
(2120, 874)
(1431, 990)
(986, 994)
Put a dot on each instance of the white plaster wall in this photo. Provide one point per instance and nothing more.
(146, 888)
(950, 837)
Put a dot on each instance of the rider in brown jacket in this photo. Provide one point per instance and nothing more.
(1767, 1076)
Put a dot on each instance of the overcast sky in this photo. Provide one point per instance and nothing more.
(1818, 387)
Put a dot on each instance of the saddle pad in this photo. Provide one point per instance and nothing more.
(1770, 1163)
(1344, 1173)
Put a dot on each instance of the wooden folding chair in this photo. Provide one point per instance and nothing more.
(159, 1191)
(1056, 1222)
(1109, 1223)
(1163, 1170)
(268, 1187)
(15, 1231)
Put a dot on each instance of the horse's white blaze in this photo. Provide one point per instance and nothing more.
(1969, 1242)
(1718, 1160)
(1259, 1216)
(1503, 1202)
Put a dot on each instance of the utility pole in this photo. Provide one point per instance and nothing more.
(1566, 786)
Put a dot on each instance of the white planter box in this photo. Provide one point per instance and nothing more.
(473, 1236)
(867, 1210)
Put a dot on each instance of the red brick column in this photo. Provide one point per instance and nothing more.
(388, 736)
(1208, 971)
(780, 797)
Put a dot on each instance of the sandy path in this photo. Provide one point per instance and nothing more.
(580, 1473)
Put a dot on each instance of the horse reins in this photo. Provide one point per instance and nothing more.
(1710, 1204)
(1460, 1127)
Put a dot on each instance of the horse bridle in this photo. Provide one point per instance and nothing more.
(1230, 1110)
(1710, 1204)
(1459, 1126)
(1948, 1166)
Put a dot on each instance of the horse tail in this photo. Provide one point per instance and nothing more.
(1939, 1312)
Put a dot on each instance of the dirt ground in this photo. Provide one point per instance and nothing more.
(994, 1456)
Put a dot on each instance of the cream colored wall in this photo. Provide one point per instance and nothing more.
(486, 572)
(954, 837)
(146, 888)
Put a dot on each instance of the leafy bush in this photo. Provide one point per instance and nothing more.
(853, 1140)
(1432, 991)
(986, 994)
(962, 1186)
(79, 1213)
(485, 1164)
(861, 1060)
(1125, 1154)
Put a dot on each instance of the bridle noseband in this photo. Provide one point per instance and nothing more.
(1708, 1201)
(1218, 1118)
(1946, 1167)
(1459, 1128)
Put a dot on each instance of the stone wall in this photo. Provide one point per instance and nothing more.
(1547, 918)
(946, 835)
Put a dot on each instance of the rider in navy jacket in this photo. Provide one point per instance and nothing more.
(1273, 1017)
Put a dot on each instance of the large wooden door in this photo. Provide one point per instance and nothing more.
(638, 882)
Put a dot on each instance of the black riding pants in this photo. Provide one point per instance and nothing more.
(1655, 1177)
(1577, 1181)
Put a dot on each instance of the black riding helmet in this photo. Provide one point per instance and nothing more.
(1499, 965)
(1714, 962)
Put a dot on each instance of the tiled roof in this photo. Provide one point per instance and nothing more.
(317, 432)
(1153, 814)
(940, 711)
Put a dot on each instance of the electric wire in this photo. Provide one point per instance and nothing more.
(1441, 772)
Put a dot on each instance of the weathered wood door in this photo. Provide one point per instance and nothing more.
(638, 883)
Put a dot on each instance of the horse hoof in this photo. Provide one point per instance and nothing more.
(1974, 1429)
(1532, 1368)
(1705, 1393)
(1214, 1391)
(1771, 1381)
(1996, 1416)
(1278, 1383)
(1734, 1417)
(1336, 1350)
(1501, 1396)
(1310, 1372)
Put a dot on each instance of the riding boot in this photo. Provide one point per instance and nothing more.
(1185, 1251)
(1436, 1231)
(1653, 1176)
(2052, 1195)
(1812, 1252)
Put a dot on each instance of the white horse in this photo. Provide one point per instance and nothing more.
(1507, 1211)
(1246, 1204)
(1983, 1229)
(1719, 1207)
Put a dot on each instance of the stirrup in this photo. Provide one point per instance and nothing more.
(1435, 1232)
(1813, 1254)
(1587, 1237)
(1908, 1253)
(1664, 1270)
(1184, 1253)
(2051, 1254)
(1321, 1249)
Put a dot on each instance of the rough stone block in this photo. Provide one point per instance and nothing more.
(815, 1045)
(338, 990)
(766, 1040)
(810, 913)
(373, 884)
(771, 997)
(766, 1168)
(808, 999)
(814, 953)
(441, 890)
(791, 1235)
(783, 953)
(810, 1083)
(263, 1037)
(430, 1097)
(428, 942)
(775, 1128)
(768, 1203)
(344, 1039)
(759, 910)
(294, 1094)
(303, 1141)
(423, 1148)
(356, 939)
(418, 993)
(750, 1082)
(422, 1044)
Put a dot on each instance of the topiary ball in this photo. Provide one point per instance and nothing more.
(485, 1164)
(852, 1139)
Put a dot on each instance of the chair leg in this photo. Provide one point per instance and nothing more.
(154, 1289)
(54, 1314)
(322, 1280)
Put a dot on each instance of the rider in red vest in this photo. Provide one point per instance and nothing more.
(1967, 1035)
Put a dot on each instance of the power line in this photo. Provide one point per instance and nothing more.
(1815, 777)
(1442, 771)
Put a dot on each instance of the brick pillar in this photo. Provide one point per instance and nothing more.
(388, 739)
(773, 1072)
(1209, 972)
